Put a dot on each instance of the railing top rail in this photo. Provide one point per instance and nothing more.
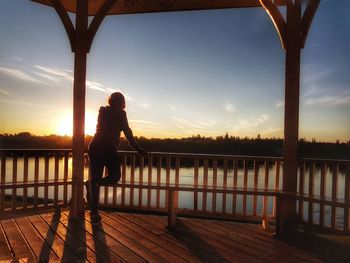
(191, 155)
(36, 150)
(330, 161)
(162, 154)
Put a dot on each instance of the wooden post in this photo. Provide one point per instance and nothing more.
(291, 112)
(172, 207)
(81, 42)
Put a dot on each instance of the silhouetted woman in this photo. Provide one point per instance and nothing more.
(103, 148)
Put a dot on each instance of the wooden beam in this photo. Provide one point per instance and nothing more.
(276, 18)
(67, 23)
(77, 202)
(150, 6)
(96, 22)
(307, 19)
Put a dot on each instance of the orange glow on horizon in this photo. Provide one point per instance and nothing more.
(65, 123)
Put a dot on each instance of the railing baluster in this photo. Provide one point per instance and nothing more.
(14, 181)
(177, 171)
(301, 188)
(159, 171)
(2, 180)
(142, 164)
(106, 188)
(225, 187)
(205, 184)
(266, 187)
(322, 192)
(114, 190)
(277, 185)
(167, 178)
(36, 179)
(256, 180)
(245, 185)
(311, 192)
(124, 159)
(65, 178)
(334, 194)
(46, 179)
(56, 177)
(347, 198)
(195, 183)
(132, 180)
(215, 175)
(25, 180)
(149, 191)
(235, 178)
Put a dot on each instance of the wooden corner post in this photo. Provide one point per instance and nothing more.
(293, 32)
(80, 38)
(77, 205)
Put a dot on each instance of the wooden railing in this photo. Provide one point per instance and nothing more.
(323, 189)
(34, 179)
(42, 178)
(204, 171)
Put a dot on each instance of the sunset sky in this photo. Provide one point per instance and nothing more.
(183, 73)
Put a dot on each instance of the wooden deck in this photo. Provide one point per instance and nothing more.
(125, 237)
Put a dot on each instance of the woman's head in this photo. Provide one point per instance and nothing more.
(117, 100)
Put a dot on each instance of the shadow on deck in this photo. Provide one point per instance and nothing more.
(125, 237)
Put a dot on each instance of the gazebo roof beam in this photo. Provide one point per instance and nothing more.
(149, 6)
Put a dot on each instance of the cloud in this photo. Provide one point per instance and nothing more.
(230, 107)
(145, 105)
(207, 123)
(63, 73)
(57, 74)
(4, 92)
(279, 104)
(95, 86)
(185, 124)
(143, 122)
(17, 59)
(172, 107)
(24, 103)
(313, 73)
(272, 131)
(328, 100)
(246, 124)
(18, 74)
(43, 75)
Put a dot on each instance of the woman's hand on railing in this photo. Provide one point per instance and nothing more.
(141, 151)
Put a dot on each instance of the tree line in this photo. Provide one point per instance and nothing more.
(230, 145)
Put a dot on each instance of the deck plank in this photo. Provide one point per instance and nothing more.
(5, 251)
(174, 248)
(161, 231)
(140, 249)
(124, 237)
(260, 238)
(48, 232)
(17, 242)
(79, 245)
(143, 240)
(35, 240)
(105, 246)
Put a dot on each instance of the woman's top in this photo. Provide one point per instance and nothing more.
(112, 121)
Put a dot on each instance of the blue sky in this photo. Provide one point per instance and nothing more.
(184, 73)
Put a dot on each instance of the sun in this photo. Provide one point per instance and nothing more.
(65, 123)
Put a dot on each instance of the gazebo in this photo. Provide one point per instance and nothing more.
(292, 30)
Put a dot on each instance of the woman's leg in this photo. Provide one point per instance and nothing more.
(113, 167)
(96, 171)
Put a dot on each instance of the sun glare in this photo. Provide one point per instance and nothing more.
(65, 123)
